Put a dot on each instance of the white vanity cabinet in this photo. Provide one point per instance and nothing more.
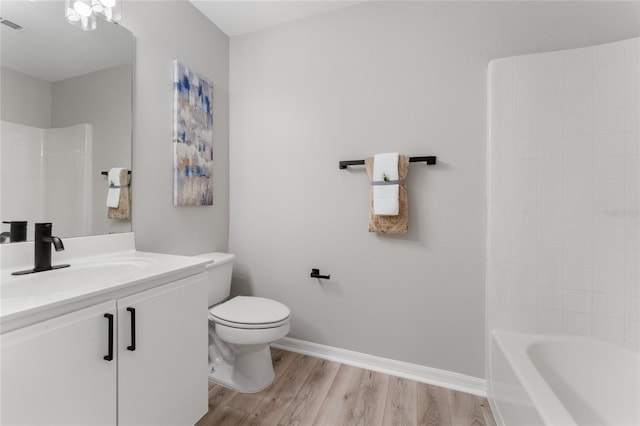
(163, 379)
(55, 371)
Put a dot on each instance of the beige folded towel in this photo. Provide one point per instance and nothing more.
(391, 224)
(123, 211)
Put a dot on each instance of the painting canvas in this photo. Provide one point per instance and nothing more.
(192, 138)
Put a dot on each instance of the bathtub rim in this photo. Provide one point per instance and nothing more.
(515, 346)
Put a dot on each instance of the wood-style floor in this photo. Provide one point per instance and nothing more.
(313, 391)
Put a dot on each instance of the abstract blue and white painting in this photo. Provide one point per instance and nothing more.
(192, 138)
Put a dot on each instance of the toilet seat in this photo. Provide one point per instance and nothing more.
(247, 312)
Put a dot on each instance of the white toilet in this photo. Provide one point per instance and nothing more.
(240, 331)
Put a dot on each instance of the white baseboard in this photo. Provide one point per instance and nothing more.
(419, 373)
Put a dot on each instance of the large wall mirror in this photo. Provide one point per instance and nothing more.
(66, 116)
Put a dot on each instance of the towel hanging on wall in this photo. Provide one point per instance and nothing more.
(399, 223)
(385, 197)
(113, 180)
(122, 209)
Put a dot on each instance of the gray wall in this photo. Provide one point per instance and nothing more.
(25, 100)
(102, 99)
(379, 77)
(164, 31)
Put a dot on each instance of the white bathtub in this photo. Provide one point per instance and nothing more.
(562, 380)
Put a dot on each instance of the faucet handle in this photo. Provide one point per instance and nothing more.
(43, 226)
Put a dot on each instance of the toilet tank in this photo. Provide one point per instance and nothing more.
(218, 275)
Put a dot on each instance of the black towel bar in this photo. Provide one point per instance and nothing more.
(107, 173)
(346, 163)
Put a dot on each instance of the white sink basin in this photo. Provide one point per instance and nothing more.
(80, 275)
(103, 268)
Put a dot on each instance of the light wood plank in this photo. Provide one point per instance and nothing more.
(309, 391)
(433, 406)
(219, 395)
(368, 409)
(276, 401)
(224, 416)
(489, 420)
(337, 405)
(465, 409)
(306, 404)
(249, 401)
(401, 408)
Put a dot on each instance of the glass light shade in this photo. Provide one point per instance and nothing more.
(96, 6)
(76, 14)
(82, 13)
(72, 16)
(111, 10)
(82, 8)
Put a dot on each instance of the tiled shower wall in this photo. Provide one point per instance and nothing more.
(54, 169)
(21, 161)
(564, 192)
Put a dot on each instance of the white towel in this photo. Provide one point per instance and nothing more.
(113, 179)
(385, 197)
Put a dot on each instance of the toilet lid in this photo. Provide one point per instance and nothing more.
(250, 311)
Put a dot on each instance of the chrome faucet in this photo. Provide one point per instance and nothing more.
(42, 249)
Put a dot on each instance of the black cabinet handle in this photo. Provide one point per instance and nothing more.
(109, 357)
(132, 347)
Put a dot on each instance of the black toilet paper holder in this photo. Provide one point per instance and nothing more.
(315, 273)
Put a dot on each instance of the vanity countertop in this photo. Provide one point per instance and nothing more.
(26, 299)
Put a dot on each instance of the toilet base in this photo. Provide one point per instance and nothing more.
(251, 372)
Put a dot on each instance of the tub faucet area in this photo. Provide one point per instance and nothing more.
(42, 249)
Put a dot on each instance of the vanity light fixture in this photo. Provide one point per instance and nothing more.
(83, 13)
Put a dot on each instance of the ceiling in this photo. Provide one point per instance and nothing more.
(241, 17)
(51, 49)
(72, 52)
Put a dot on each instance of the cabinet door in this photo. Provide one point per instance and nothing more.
(54, 372)
(163, 380)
